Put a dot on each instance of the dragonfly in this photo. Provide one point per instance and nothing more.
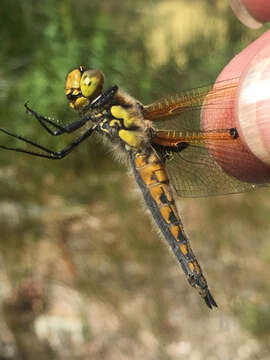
(169, 150)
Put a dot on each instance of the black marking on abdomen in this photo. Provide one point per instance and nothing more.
(160, 221)
(173, 219)
(186, 258)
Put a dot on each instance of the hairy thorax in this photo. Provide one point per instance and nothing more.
(123, 122)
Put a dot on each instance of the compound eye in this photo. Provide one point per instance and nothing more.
(91, 83)
(72, 82)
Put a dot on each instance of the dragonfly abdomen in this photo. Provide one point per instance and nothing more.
(153, 181)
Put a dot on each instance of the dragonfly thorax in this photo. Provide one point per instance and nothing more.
(124, 124)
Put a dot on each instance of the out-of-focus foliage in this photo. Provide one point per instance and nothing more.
(78, 222)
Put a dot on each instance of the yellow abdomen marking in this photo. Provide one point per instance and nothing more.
(183, 248)
(175, 231)
(140, 161)
(148, 173)
(166, 212)
(157, 192)
(161, 194)
(143, 160)
(161, 176)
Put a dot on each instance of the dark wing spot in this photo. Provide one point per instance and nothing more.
(234, 133)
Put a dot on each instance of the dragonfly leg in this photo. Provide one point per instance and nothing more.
(102, 100)
(60, 129)
(49, 154)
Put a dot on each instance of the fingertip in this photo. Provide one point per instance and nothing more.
(251, 13)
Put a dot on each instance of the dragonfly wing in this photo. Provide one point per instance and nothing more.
(194, 170)
(189, 103)
(205, 167)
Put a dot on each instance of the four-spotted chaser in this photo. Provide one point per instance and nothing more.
(168, 149)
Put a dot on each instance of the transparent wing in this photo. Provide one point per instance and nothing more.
(206, 167)
(182, 112)
(201, 152)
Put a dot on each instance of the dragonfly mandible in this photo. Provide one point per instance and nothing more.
(170, 149)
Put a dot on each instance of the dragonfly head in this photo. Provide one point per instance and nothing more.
(83, 86)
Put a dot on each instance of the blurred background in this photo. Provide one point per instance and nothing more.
(83, 273)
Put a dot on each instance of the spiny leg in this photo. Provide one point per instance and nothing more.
(54, 155)
(99, 102)
(60, 129)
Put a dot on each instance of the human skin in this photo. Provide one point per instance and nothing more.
(248, 110)
(252, 13)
